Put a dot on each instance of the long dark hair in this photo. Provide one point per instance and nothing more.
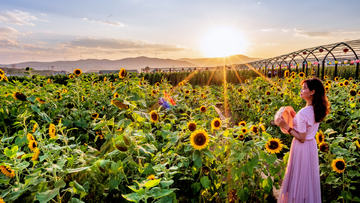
(320, 101)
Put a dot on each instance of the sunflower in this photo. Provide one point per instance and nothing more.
(77, 72)
(341, 84)
(30, 137)
(7, 171)
(346, 82)
(199, 139)
(254, 129)
(194, 91)
(241, 137)
(71, 76)
(240, 90)
(352, 92)
(336, 79)
(116, 95)
(351, 99)
(301, 75)
(288, 80)
(286, 73)
(153, 92)
(154, 116)
(151, 177)
(19, 96)
(35, 156)
(140, 83)
(157, 84)
(216, 123)
(320, 137)
(267, 92)
(181, 83)
(327, 88)
(34, 127)
(2, 72)
(192, 126)
(52, 130)
(203, 109)
(274, 145)
(242, 123)
(338, 165)
(244, 130)
(262, 127)
(357, 143)
(94, 115)
(122, 73)
(105, 79)
(1, 200)
(187, 92)
(119, 104)
(324, 147)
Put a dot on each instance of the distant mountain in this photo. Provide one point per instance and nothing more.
(234, 59)
(95, 65)
(104, 64)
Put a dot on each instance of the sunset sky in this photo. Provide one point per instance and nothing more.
(114, 29)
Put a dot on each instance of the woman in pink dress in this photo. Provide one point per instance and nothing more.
(302, 180)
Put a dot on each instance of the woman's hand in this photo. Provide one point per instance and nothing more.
(281, 123)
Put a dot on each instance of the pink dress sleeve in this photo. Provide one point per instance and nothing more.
(301, 122)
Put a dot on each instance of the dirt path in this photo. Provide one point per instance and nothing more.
(219, 109)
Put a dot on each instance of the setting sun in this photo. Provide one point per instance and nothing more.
(223, 41)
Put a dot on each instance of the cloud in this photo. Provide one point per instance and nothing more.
(8, 43)
(43, 14)
(259, 2)
(8, 31)
(120, 45)
(298, 29)
(314, 34)
(111, 23)
(266, 30)
(17, 17)
(43, 50)
(107, 22)
(285, 30)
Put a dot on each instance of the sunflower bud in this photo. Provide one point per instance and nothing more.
(120, 145)
(126, 139)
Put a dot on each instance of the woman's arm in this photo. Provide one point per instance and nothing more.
(299, 136)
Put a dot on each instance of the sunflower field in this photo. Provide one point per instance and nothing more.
(120, 139)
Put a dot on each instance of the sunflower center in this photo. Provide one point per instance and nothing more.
(340, 165)
(33, 144)
(192, 126)
(203, 109)
(321, 138)
(77, 72)
(273, 145)
(324, 148)
(199, 139)
(255, 130)
(154, 116)
(217, 123)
